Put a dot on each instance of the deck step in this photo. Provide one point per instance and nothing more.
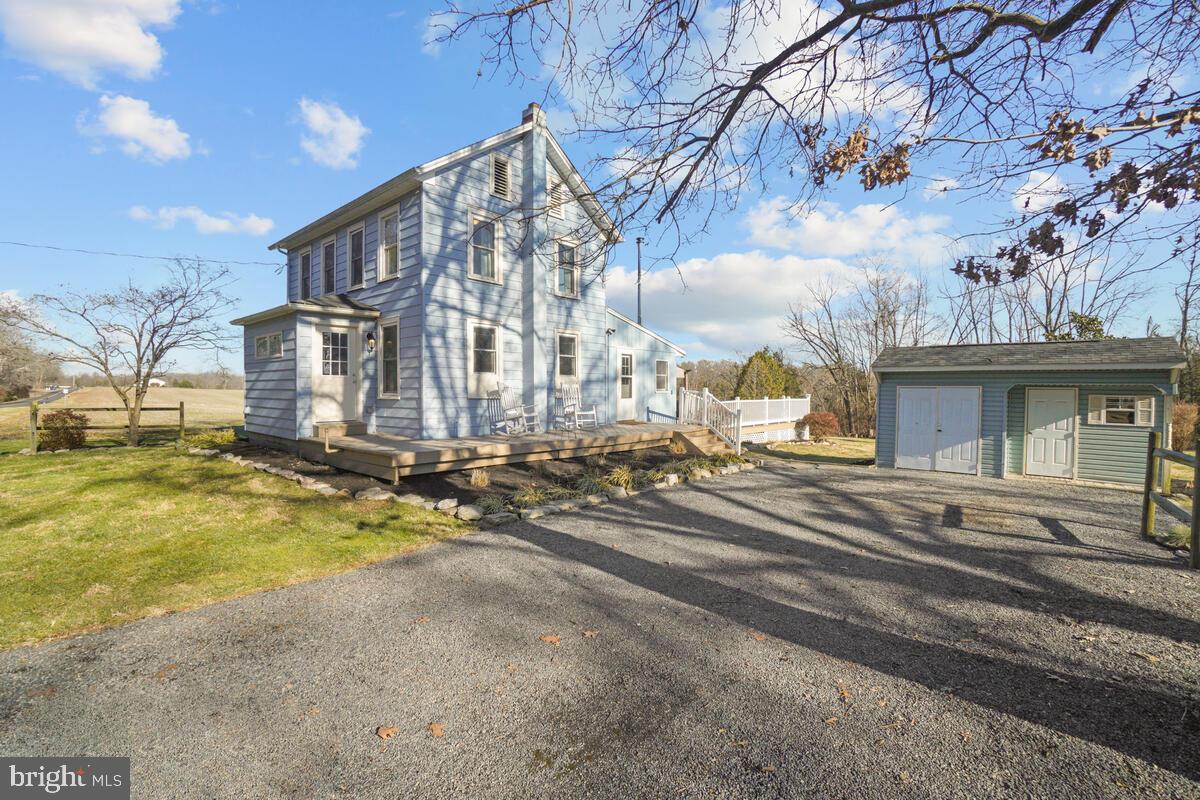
(338, 429)
(702, 442)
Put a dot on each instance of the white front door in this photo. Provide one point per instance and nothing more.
(626, 390)
(937, 428)
(335, 375)
(1050, 432)
(916, 423)
(957, 429)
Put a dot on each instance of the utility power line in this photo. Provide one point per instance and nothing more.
(141, 256)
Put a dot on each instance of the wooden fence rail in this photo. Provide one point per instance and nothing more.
(35, 415)
(1158, 473)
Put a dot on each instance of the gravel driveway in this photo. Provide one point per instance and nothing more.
(789, 632)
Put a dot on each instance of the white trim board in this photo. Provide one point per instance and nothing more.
(646, 331)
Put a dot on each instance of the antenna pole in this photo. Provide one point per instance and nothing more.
(639, 280)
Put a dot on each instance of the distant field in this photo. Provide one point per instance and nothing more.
(203, 408)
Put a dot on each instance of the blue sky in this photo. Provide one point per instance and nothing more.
(178, 128)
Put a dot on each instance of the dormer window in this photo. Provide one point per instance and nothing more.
(501, 178)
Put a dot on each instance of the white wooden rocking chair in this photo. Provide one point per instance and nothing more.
(508, 414)
(573, 414)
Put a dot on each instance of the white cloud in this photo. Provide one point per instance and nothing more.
(205, 223)
(81, 39)
(731, 302)
(334, 137)
(142, 133)
(938, 186)
(865, 230)
(435, 24)
(1040, 191)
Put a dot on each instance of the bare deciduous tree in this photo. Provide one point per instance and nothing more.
(697, 100)
(132, 332)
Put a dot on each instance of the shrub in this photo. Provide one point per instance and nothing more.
(479, 478)
(491, 504)
(209, 439)
(557, 491)
(622, 476)
(821, 425)
(590, 483)
(1180, 537)
(529, 496)
(63, 430)
(1183, 429)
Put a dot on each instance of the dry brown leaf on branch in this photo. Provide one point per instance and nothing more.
(386, 732)
(437, 730)
(551, 638)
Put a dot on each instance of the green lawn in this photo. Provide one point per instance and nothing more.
(100, 537)
(843, 450)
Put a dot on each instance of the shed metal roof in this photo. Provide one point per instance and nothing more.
(1154, 352)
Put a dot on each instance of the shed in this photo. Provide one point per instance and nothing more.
(1078, 410)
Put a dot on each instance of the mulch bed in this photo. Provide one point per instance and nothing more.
(503, 480)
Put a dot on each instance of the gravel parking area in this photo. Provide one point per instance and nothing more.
(795, 631)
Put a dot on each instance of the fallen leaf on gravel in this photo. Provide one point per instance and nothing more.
(437, 730)
(386, 731)
(966, 736)
(831, 721)
(421, 620)
(49, 691)
(758, 637)
(903, 777)
(768, 769)
(843, 693)
(165, 671)
(312, 712)
(741, 743)
(1148, 656)
(590, 634)
(551, 639)
(511, 667)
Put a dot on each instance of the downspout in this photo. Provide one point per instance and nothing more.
(610, 408)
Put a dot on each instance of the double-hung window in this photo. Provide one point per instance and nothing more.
(268, 346)
(328, 259)
(661, 372)
(568, 357)
(1121, 410)
(306, 275)
(484, 358)
(389, 358)
(389, 245)
(567, 274)
(483, 256)
(356, 258)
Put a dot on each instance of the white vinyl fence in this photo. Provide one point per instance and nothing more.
(771, 419)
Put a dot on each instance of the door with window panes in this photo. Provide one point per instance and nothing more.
(626, 390)
(335, 374)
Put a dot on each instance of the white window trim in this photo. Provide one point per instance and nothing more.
(1103, 411)
(301, 293)
(559, 378)
(666, 389)
(359, 228)
(380, 393)
(492, 157)
(578, 271)
(379, 259)
(268, 336)
(474, 214)
(332, 240)
(479, 384)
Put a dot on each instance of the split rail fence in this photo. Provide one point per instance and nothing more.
(1157, 492)
(36, 427)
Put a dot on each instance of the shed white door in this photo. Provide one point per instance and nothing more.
(626, 388)
(1050, 432)
(335, 375)
(938, 428)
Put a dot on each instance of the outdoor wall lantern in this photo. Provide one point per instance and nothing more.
(371, 341)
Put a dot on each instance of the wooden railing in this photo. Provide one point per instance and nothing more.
(701, 408)
(1157, 492)
(35, 426)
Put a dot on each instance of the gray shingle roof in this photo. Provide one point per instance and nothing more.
(337, 301)
(1155, 351)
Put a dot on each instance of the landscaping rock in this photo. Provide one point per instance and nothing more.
(373, 493)
(470, 513)
(661, 485)
(729, 469)
(409, 499)
(568, 505)
(699, 474)
(429, 505)
(596, 499)
(208, 452)
(25, 452)
(499, 518)
(326, 489)
(617, 493)
(449, 504)
(533, 513)
(671, 479)
(344, 493)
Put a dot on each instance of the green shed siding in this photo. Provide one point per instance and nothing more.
(1106, 453)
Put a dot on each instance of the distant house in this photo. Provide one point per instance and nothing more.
(1074, 410)
(408, 304)
(156, 382)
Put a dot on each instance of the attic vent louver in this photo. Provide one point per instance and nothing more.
(500, 177)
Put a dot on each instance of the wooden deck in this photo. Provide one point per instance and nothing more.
(393, 457)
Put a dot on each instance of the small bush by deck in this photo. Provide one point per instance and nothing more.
(99, 537)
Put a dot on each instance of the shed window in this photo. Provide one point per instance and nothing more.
(1121, 410)
(660, 375)
(268, 346)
